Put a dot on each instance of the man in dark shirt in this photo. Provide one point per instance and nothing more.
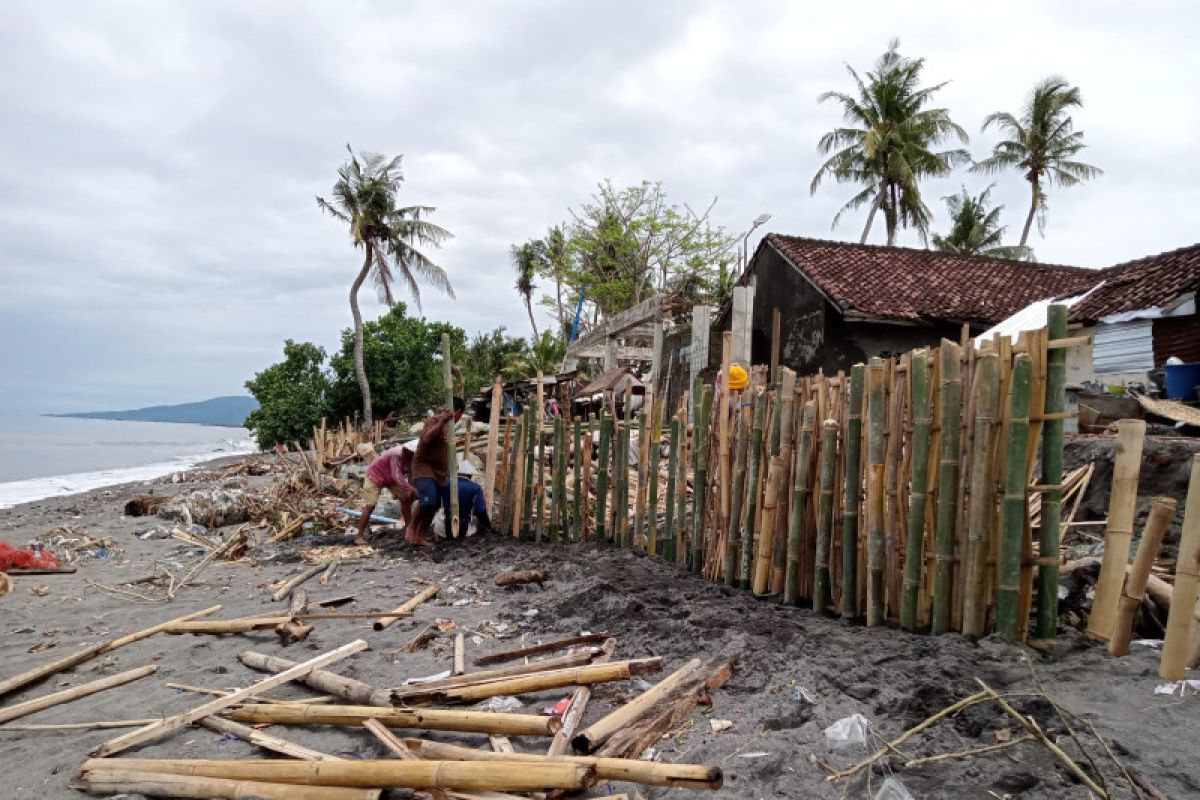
(471, 502)
(431, 468)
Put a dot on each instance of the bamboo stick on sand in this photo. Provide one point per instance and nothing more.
(434, 719)
(1162, 511)
(344, 688)
(574, 713)
(599, 731)
(152, 784)
(9, 713)
(265, 740)
(286, 589)
(545, 647)
(406, 608)
(410, 692)
(1181, 629)
(552, 679)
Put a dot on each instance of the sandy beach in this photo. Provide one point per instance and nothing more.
(786, 658)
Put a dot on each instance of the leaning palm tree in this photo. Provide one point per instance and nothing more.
(889, 143)
(1042, 143)
(975, 229)
(364, 198)
(526, 260)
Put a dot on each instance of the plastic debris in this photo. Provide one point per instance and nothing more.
(530, 613)
(892, 789)
(558, 709)
(802, 695)
(14, 558)
(719, 725)
(437, 677)
(1178, 687)
(1153, 644)
(847, 732)
(501, 704)
(755, 754)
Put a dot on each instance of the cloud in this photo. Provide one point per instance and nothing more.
(158, 234)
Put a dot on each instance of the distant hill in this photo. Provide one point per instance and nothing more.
(230, 411)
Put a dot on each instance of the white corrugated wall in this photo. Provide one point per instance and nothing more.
(1123, 347)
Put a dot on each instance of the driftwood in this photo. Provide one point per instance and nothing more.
(433, 719)
(546, 647)
(347, 689)
(407, 608)
(538, 576)
(143, 505)
(9, 713)
(599, 731)
(422, 638)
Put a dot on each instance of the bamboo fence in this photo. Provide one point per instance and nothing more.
(903, 492)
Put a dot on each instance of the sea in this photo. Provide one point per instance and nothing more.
(44, 457)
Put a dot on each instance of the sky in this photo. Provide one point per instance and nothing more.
(159, 237)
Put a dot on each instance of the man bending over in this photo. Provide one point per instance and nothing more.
(431, 468)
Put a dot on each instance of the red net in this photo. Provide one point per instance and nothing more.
(14, 558)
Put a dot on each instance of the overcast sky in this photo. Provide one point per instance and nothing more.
(158, 234)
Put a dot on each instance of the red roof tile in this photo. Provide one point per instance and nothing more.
(1150, 282)
(910, 284)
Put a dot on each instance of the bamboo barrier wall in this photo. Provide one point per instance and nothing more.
(902, 492)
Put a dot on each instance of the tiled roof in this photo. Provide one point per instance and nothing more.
(908, 284)
(1150, 282)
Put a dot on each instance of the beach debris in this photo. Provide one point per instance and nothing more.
(213, 508)
(718, 725)
(143, 505)
(847, 732)
(1180, 687)
(421, 639)
(18, 710)
(538, 576)
(70, 545)
(500, 705)
(40, 591)
(6, 584)
(406, 608)
(289, 585)
(892, 789)
(546, 647)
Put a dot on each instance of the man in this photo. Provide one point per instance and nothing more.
(470, 500)
(430, 470)
(389, 471)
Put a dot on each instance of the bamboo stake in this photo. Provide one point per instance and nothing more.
(514, 483)
(1052, 471)
(982, 500)
(151, 784)
(850, 496)
(545, 647)
(700, 477)
(875, 499)
(531, 437)
(950, 428)
(10, 685)
(434, 719)
(383, 774)
(655, 456)
(574, 713)
(82, 726)
(599, 731)
(764, 556)
(164, 726)
(643, 466)
(821, 586)
(539, 527)
(1162, 511)
(742, 447)
(583, 506)
(406, 608)
(18, 710)
(580, 499)
(801, 479)
(460, 654)
(606, 427)
(723, 405)
(493, 444)
(672, 472)
(752, 489)
(1008, 586)
(265, 740)
(914, 557)
(778, 527)
(451, 447)
(1119, 532)
(563, 530)
(679, 548)
(1180, 627)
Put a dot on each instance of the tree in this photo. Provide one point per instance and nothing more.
(1042, 143)
(526, 259)
(889, 143)
(487, 356)
(293, 395)
(975, 229)
(544, 354)
(364, 198)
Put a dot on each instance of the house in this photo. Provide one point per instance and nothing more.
(841, 303)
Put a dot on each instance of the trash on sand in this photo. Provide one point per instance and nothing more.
(1153, 644)
(444, 624)
(892, 789)
(558, 709)
(437, 677)
(530, 613)
(1178, 687)
(40, 591)
(802, 695)
(847, 731)
(14, 558)
(755, 754)
(501, 704)
(719, 725)
(651, 754)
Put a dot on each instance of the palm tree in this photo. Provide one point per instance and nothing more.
(526, 260)
(889, 143)
(544, 354)
(364, 198)
(1042, 143)
(975, 229)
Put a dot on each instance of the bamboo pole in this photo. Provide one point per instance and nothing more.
(451, 447)
(875, 498)
(580, 497)
(850, 495)
(1180, 625)
(539, 527)
(775, 471)
(493, 444)
(164, 726)
(414, 691)
(672, 474)
(655, 460)
(982, 500)
(563, 532)
(383, 773)
(914, 557)
(599, 731)
(10, 685)
(606, 428)
(821, 584)
(551, 679)
(1008, 586)
(545, 647)
(460, 654)
(287, 588)
(433, 719)
(621, 473)
(723, 405)
(574, 713)
(778, 526)
(102, 725)
(679, 548)
(742, 447)
(649, 773)
(643, 467)
(114, 780)
(406, 607)
(584, 508)
(1052, 473)
(530, 491)
(801, 478)
(700, 477)
(18, 710)
(265, 740)
(515, 489)
(1119, 532)
(1162, 511)
(949, 440)
(347, 689)
(752, 489)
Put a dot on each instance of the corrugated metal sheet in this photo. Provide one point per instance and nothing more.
(1177, 336)
(1124, 347)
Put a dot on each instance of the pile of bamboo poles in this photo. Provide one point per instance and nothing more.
(902, 492)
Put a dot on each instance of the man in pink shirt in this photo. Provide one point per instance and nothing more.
(390, 471)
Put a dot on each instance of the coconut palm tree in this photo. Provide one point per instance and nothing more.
(364, 198)
(544, 354)
(526, 259)
(1042, 143)
(889, 143)
(975, 229)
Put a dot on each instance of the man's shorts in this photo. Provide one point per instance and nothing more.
(403, 491)
(428, 492)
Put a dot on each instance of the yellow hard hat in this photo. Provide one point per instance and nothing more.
(738, 379)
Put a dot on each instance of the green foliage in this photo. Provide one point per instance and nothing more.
(889, 143)
(486, 357)
(975, 229)
(293, 395)
(526, 259)
(545, 354)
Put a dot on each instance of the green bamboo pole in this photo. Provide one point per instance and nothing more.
(776, 416)
(801, 476)
(451, 449)
(850, 494)
(643, 469)
(530, 459)
(914, 549)
(821, 587)
(654, 459)
(681, 486)
(981, 503)
(560, 530)
(784, 492)
(511, 502)
(580, 502)
(1012, 520)
(741, 434)
(874, 505)
(1052, 473)
(950, 426)
(764, 554)
(668, 548)
(752, 488)
(540, 522)
(602, 464)
(700, 477)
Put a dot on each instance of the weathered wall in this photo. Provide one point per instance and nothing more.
(848, 342)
